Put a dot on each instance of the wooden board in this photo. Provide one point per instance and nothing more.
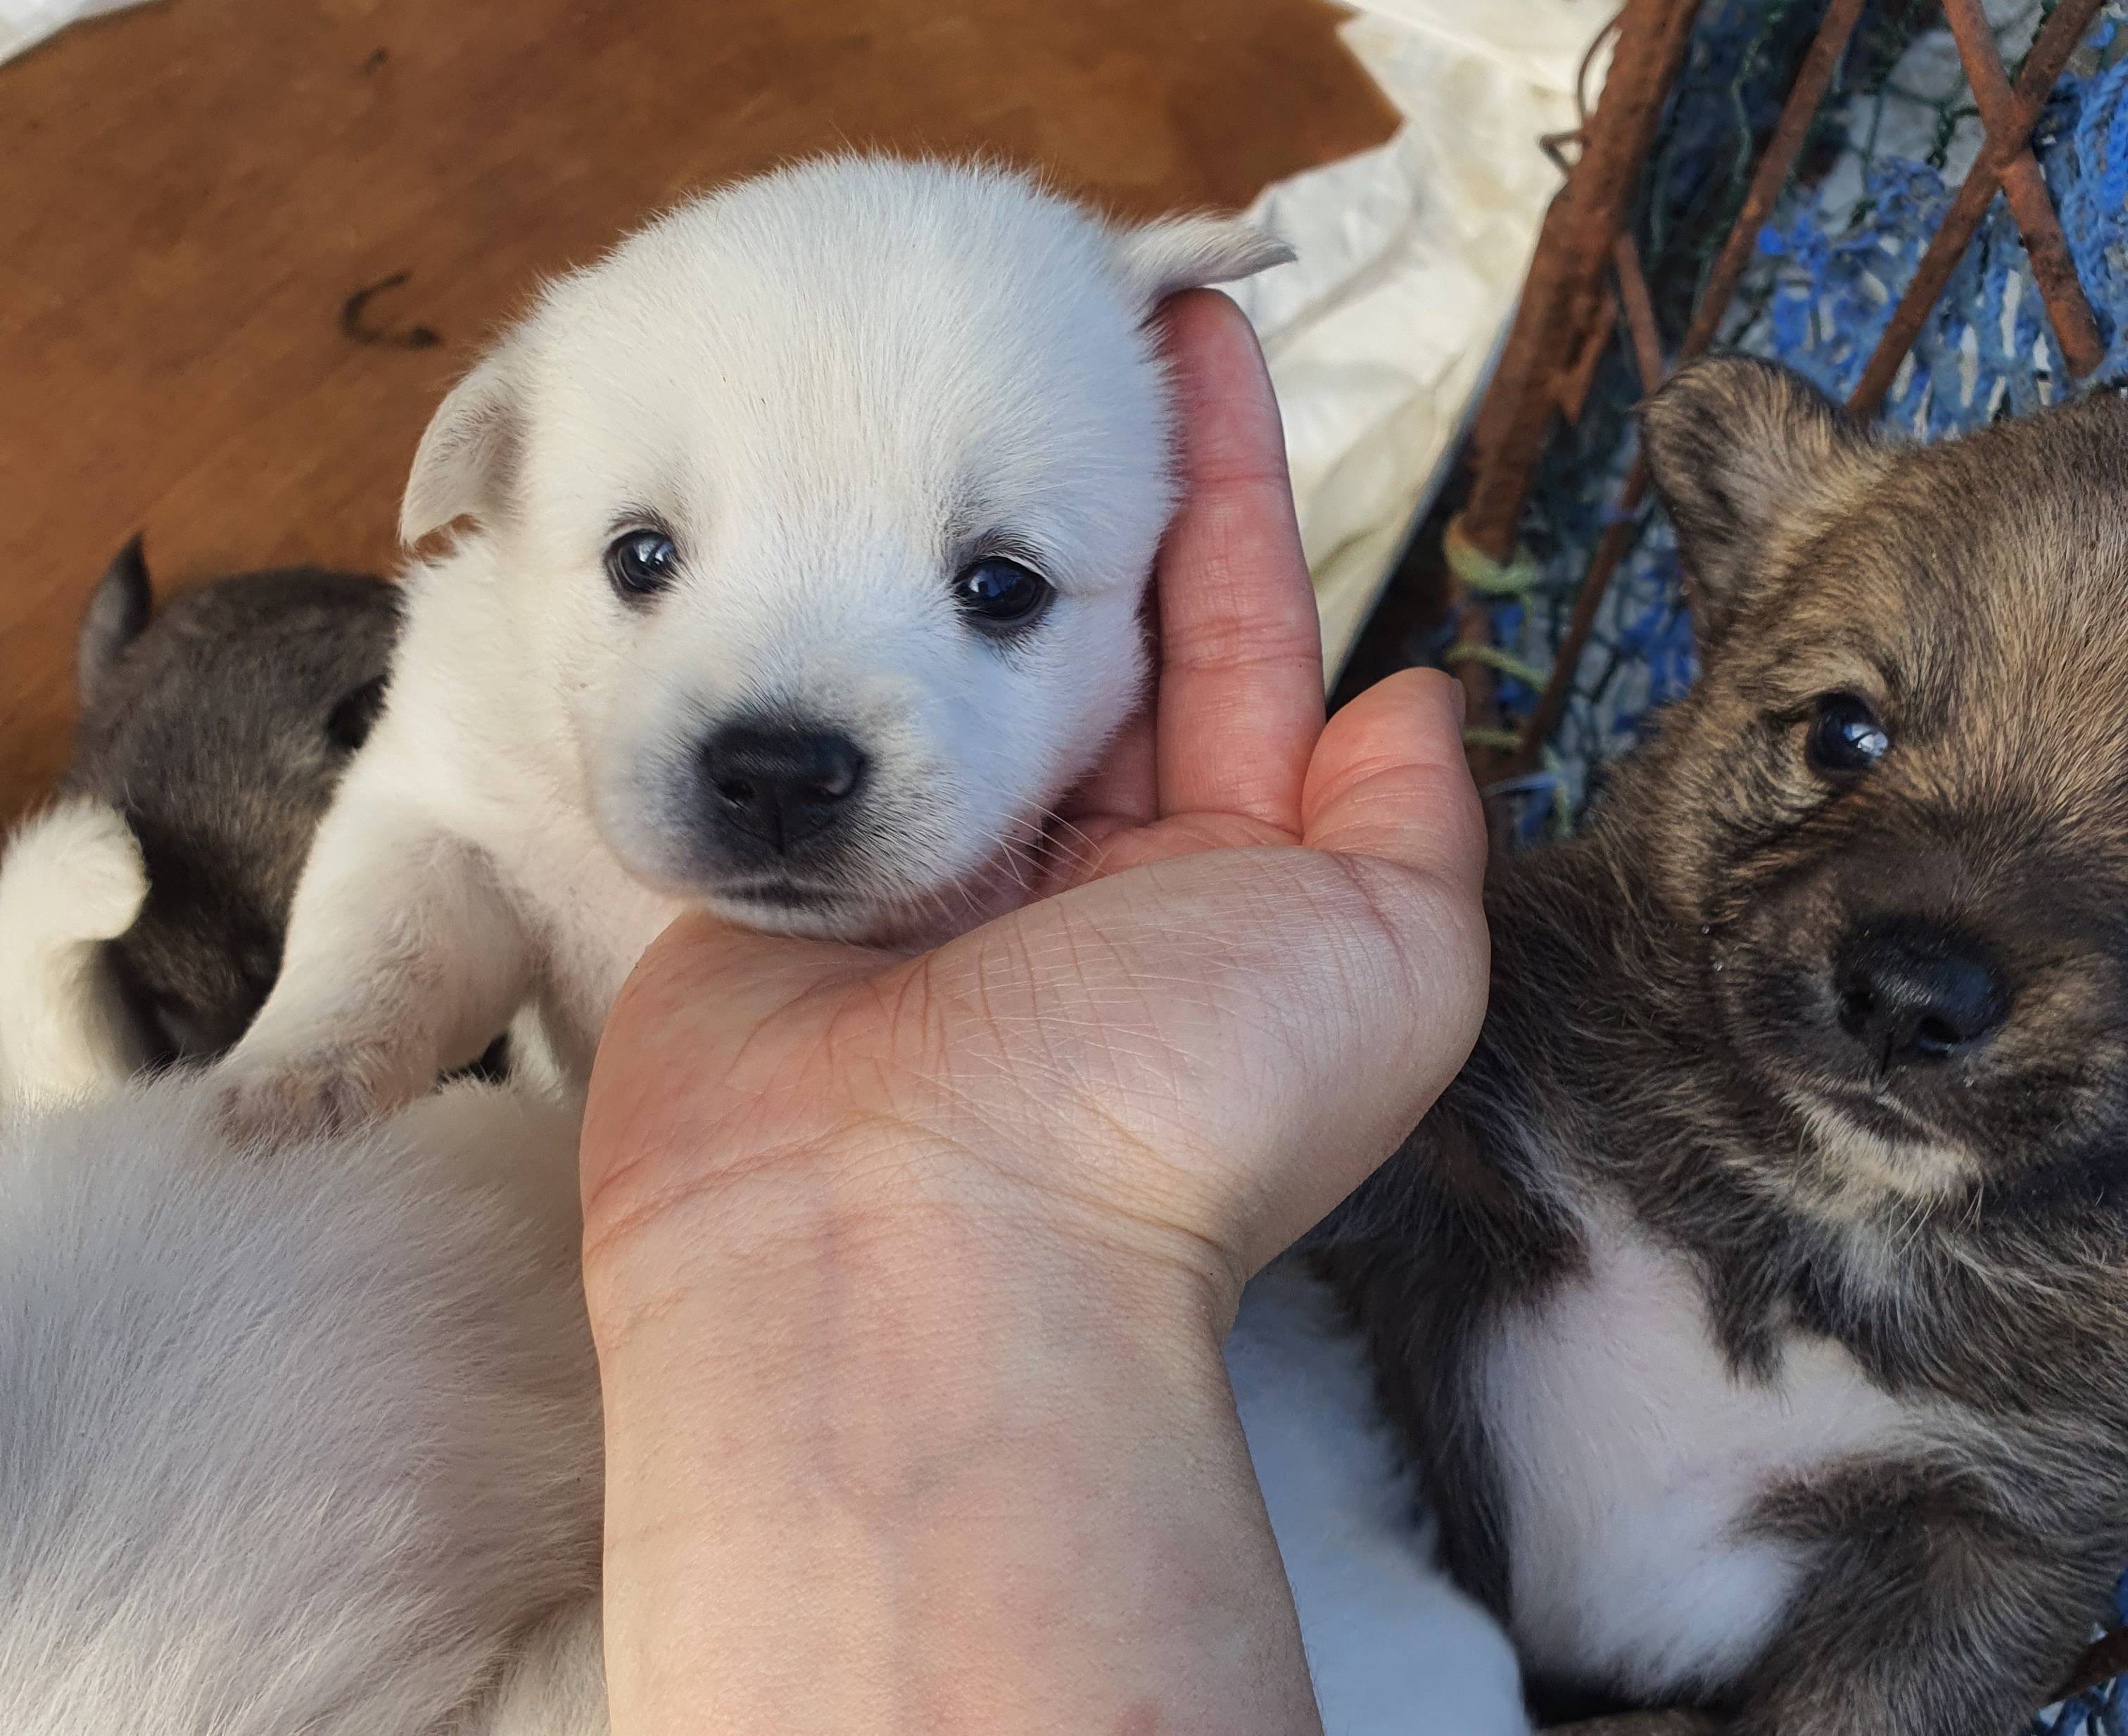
(189, 194)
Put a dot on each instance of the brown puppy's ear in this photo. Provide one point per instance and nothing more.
(117, 609)
(464, 466)
(1175, 254)
(1742, 451)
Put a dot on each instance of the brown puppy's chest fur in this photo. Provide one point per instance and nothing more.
(1756, 1303)
(1943, 1406)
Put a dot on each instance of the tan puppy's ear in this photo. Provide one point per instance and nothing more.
(466, 464)
(1741, 450)
(1186, 252)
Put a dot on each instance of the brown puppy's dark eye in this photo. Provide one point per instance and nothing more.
(1846, 737)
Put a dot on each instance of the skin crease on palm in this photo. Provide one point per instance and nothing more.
(908, 1274)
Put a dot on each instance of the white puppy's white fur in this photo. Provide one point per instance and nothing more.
(71, 879)
(303, 1446)
(312, 1444)
(833, 388)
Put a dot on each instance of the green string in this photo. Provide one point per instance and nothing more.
(1478, 572)
(1506, 662)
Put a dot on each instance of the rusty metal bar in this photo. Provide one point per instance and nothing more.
(2008, 114)
(1821, 65)
(1564, 289)
(1611, 549)
(2025, 190)
(1638, 309)
(1570, 387)
(2065, 27)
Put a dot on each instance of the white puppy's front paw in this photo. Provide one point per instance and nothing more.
(271, 1103)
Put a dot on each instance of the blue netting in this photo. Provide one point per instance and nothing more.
(1884, 160)
(1891, 144)
(2101, 1712)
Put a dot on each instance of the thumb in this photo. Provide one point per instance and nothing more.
(1388, 778)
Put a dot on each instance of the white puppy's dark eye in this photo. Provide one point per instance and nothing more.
(642, 562)
(1846, 737)
(996, 593)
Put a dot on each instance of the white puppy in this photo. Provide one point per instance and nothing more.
(313, 1445)
(812, 527)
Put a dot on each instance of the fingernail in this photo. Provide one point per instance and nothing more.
(1459, 697)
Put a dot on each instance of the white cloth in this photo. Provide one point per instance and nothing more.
(1411, 257)
(24, 23)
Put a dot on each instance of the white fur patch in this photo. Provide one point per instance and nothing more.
(1394, 1649)
(303, 1446)
(71, 879)
(1628, 1454)
(556, 1686)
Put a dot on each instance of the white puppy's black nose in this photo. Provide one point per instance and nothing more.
(782, 784)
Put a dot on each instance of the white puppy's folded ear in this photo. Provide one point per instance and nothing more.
(462, 467)
(1187, 252)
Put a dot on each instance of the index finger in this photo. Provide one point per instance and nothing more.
(1241, 697)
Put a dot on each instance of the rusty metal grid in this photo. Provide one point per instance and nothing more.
(1585, 285)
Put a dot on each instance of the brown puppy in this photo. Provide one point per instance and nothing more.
(1757, 1302)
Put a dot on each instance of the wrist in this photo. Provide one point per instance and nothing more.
(993, 1463)
(946, 1220)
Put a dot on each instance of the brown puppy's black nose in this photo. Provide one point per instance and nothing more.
(781, 784)
(1912, 993)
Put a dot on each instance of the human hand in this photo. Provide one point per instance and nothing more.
(958, 1222)
(1267, 959)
